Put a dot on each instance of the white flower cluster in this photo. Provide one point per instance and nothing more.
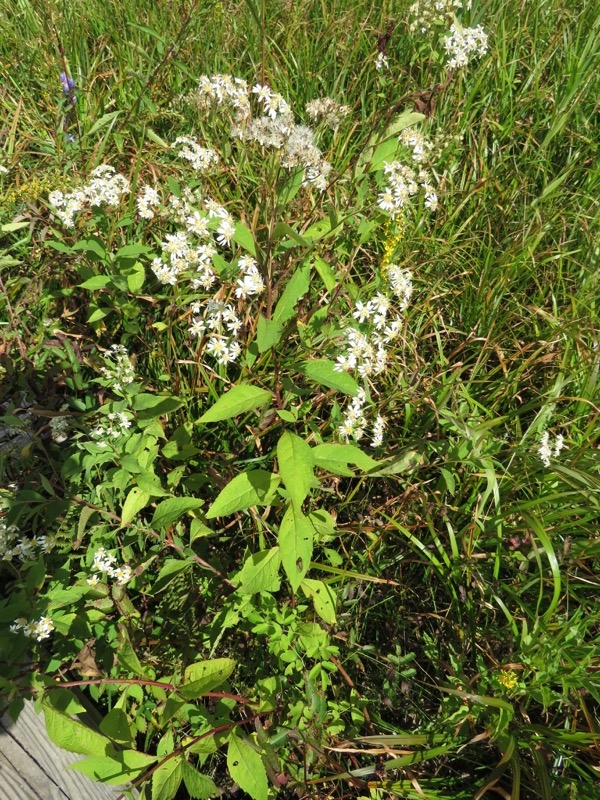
(182, 254)
(147, 201)
(402, 184)
(119, 368)
(36, 629)
(251, 282)
(546, 450)
(366, 351)
(224, 90)
(201, 158)
(425, 13)
(275, 128)
(111, 427)
(220, 323)
(355, 422)
(464, 44)
(329, 110)
(22, 548)
(415, 141)
(105, 187)
(59, 428)
(381, 62)
(107, 563)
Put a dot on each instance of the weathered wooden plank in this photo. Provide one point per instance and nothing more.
(33, 768)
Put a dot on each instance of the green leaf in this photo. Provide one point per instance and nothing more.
(323, 371)
(317, 230)
(132, 251)
(198, 785)
(260, 573)
(238, 400)
(244, 238)
(136, 278)
(296, 545)
(152, 406)
(170, 569)
(119, 768)
(246, 768)
(325, 273)
(136, 499)
(297, 286)
(336, 457)
(296, 466)
(97, 282)
(91, 246)
(126, 655)
(172, 509)
(268, 333)
(205, 676)
(252, 488)
(64, 700)
(323, 598)
(166, 779)
(73, 735)
(282, 229)
(116, 726)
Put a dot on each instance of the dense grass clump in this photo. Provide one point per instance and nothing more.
(299, 456)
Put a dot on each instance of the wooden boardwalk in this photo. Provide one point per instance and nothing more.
(32, 768)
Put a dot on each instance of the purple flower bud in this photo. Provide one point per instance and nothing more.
(68, 84)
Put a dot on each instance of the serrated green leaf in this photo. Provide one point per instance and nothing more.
(115, 725)
(252, 488)
(166, 779)
(136, 499)
(323, 371)
(296, 545)
(323, 598)
(172, 509)
(260, 573)
(205, 676)
(72, 735)
(296, 466)
(114, 770)
(199, 786)
(238, 400)
(246, 768)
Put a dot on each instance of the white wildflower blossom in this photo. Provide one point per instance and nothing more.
(381, 62)
(401, 284)
(147, 201)
(251, 282)
(225, 232)
(201, 158)
(119, 368)
(378, 429)
(14, 545)
(107, 563)
(329, 110)
(35, 629)
(548, 450)
(464, 44)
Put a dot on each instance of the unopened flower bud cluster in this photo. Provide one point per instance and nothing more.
(424, 14)
(36, 629)
(107, 563)
(13, 545)
(106, 187)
